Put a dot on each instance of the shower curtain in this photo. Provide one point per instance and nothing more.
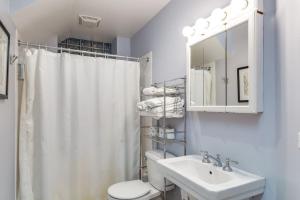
(79, 127)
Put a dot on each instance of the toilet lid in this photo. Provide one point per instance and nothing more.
(129, 190)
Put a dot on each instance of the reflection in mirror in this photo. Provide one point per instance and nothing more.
(237, 66)
(208, 72)
(214, 63)
(196, 75)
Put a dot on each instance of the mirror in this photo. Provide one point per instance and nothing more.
(4, 61)
(225, 62)
(208, 72)
(238, 86)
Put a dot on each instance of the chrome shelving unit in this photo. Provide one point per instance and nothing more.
(161, 142)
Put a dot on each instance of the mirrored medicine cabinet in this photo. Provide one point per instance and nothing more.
(225, 67)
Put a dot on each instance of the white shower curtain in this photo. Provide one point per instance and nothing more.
(79, 128)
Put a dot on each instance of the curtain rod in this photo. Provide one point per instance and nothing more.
(21, 43)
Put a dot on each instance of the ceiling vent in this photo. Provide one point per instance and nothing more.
(89, 21)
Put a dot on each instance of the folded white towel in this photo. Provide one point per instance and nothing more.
(160, 115)
(155, 107)
(171, 108)
(158, 91)
(171, 102)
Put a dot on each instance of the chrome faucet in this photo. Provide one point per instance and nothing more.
(217, 159)
(207, 157)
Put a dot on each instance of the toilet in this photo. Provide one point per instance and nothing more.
(139, 190)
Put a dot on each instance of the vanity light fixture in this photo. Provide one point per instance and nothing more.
(218, 15)
(201, 24)
(188, 31)
(239, 5)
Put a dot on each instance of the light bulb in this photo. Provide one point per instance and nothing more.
(187, 31)
(239, 4)
(201, 24)
(218, 15)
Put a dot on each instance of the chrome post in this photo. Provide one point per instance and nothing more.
(165, 137)
(164, 122)
(185, 100)
(165, 189)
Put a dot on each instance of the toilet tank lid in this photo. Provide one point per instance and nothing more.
(158, 154)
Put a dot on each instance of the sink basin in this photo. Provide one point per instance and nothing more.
(205, 181)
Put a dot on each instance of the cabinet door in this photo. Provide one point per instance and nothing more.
(214, 70)
(238, 86)
(196, 75)
(208, 73)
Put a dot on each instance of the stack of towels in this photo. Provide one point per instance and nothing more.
(158, 91)
(155, 106)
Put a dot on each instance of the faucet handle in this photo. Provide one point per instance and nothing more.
(233, 161)
(227, 166)
(205, 156)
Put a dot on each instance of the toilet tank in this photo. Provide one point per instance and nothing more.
(155, 177)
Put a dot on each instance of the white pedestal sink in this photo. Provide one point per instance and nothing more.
(207, 182)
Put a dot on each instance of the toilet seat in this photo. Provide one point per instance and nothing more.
(128, 190)
(132, 190)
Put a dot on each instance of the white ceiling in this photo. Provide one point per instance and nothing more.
(44, 19)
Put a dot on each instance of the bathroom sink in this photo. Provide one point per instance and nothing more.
(205, 181)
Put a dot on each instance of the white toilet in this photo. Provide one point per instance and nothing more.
(139, 190)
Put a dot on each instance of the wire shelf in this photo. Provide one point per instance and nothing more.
(165, 141)
(179, 84)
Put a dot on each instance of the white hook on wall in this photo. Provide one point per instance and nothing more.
(12, 59)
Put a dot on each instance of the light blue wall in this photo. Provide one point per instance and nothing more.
(8, 117)
(18, 4)
(288, 51)
(121, 46)
(4, 5)
(253, 140)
